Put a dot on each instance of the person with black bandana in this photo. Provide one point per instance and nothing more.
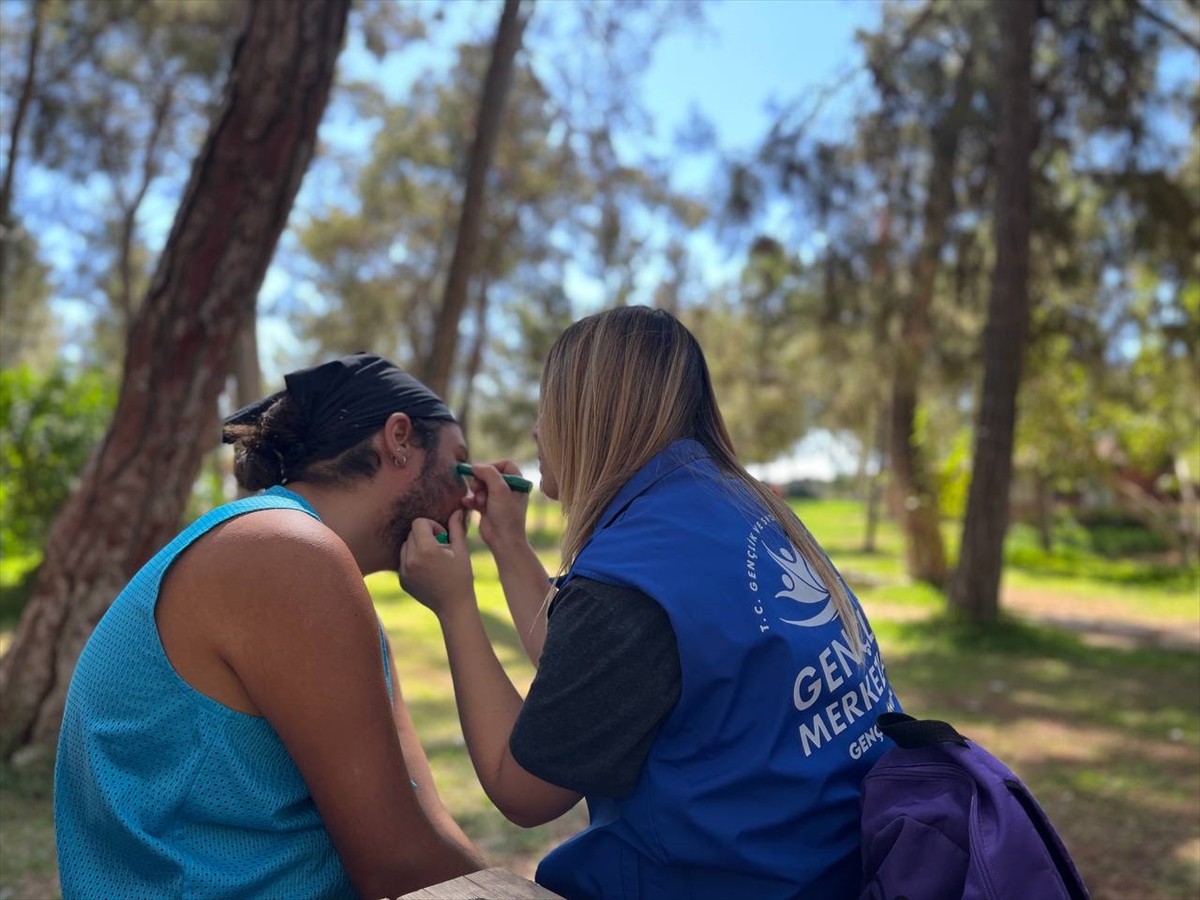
(234, 727)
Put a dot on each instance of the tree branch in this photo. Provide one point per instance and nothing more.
(1166, 24)
(878, 68)
(6, 187)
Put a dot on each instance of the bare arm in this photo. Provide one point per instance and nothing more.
(522, 575)
(419, 769)
(526, 584)
(488, 703)
(307, 651)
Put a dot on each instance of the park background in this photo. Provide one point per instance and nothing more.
(943, 255)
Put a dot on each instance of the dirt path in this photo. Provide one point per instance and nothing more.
(1100, 622)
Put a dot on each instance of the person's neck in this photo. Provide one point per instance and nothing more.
(351, 514)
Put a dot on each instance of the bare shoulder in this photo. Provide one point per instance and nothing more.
(279, 556)
(279, 533)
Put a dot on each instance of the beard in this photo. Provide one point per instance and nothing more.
(425, 498)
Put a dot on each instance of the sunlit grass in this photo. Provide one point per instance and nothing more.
(27, 861)
(14, 570)
(1107, 738)
(1072, 581)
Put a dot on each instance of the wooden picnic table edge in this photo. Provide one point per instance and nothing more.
(486, 884)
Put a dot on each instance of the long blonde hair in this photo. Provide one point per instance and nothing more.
(618, 388)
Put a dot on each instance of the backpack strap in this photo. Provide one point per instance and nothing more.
(1070, 876)
(913, 734)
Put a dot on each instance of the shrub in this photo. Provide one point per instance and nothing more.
(49, 422)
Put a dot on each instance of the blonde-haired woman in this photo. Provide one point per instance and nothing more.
(705, 678)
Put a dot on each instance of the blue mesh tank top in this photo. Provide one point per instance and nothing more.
(161, 791)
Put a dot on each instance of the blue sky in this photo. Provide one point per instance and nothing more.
(747, 55)
(744, 57)
(750, 53)
(750, 56)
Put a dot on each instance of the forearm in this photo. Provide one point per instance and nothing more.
(488, 704)
(420, 858)
(449, 829)
(440, 859)
(419, 770)
(526, 584)
(432, 805)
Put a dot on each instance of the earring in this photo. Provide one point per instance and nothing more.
(401, 463)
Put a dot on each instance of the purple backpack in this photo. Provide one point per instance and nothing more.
(943, 819)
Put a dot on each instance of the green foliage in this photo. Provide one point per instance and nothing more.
(48, 426)
(27, 865)
(1117, 532)
(17, 575)
(120, 92)
(755, 374)
(208, 490)
(769, 376)
(1110, 394)
(576, 214)
(1102, 552)
(27, 329)
(507, 407)
(1131, 540)
(380, 262)
(954, 476)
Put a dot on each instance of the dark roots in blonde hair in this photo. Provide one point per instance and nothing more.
(272, 450)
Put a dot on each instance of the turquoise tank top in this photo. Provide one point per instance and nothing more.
(161, 791)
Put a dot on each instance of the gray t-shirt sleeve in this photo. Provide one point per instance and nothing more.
(608, 678)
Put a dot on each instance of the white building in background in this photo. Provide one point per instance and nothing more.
(820, 456)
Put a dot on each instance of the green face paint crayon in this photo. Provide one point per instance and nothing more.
(514, 482)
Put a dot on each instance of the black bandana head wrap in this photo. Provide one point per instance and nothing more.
(344, 400)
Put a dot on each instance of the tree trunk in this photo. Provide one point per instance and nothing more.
(915, 498)
(862, 475)
(1045, 503)
(875, 485)
(417, 310)
(247, 373)
(1189, 510)
(874, 496)
(880, 260)
(179, 353)
(436, 370)
(1155, 513)
(7, 223)
(129, 210)
(975, 591)
(475, 359)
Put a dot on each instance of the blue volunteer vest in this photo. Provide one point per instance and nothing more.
(752, 786)
(161, 791)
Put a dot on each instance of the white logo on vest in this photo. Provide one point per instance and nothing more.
(840, 688)
(802, 585)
